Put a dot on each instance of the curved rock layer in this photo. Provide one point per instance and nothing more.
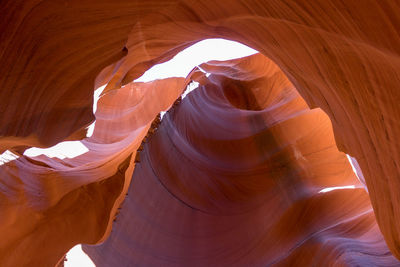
(342, 56)
(235, 176)
(51, 204)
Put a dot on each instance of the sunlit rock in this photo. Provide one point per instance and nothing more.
(214, 201)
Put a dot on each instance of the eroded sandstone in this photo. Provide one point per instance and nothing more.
(342, 57)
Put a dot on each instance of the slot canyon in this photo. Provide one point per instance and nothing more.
(286, 157)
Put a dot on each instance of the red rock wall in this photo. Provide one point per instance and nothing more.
(341, 56)
(232, 177)
(49, 204)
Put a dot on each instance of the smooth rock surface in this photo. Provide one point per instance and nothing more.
(242, 173)
(341, 56)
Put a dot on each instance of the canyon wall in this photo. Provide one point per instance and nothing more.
(242, 173)
(342, 57)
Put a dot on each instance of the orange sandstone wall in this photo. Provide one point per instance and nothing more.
(341, 56)
(233, 177)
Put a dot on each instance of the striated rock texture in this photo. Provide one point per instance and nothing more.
(235, 176)
(49, 204)
(246, 120)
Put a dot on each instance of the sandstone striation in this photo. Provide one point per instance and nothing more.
(236, 175)
(233, 173)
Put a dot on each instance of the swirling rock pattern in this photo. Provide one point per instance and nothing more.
(342, 57)
(233, 177)
(51, 204)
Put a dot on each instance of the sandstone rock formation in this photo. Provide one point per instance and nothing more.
(235, 176)
(245, 120)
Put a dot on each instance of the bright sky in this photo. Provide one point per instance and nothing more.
(77, 258)
(203, 51)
